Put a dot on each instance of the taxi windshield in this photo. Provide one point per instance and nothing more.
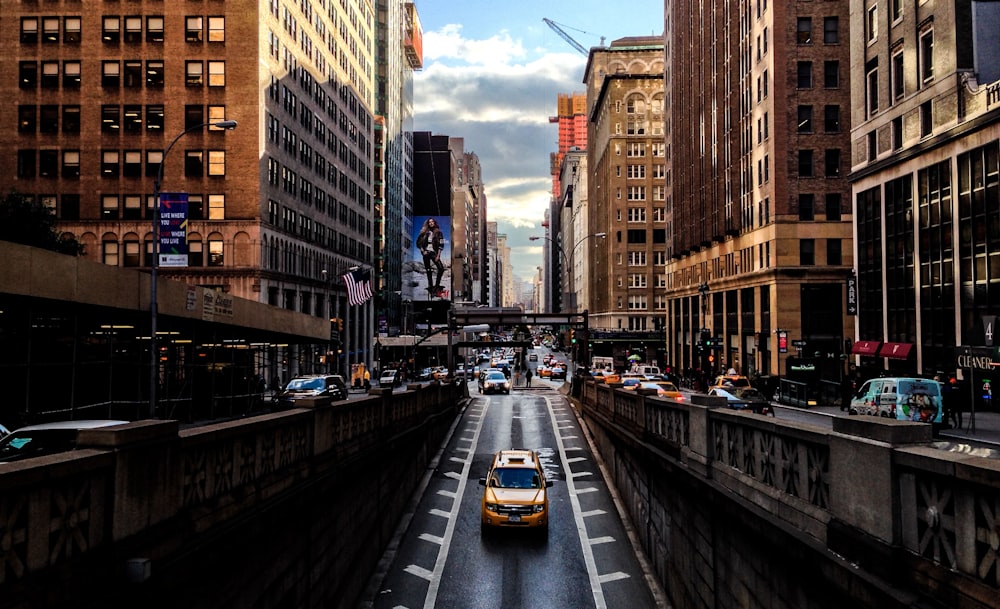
(515, 477)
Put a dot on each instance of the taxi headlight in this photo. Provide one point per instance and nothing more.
(539, 507)
(492, 507)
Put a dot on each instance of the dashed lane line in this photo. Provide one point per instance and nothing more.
(596, 541)
(432, 538)
(420, 572)
(592, 513)
(613, 577)
(441, 513)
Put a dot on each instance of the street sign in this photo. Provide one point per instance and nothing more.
(799, 343)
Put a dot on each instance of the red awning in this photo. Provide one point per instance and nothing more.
(895, 350)
(865, 347)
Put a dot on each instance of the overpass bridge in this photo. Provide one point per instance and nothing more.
(294, 509)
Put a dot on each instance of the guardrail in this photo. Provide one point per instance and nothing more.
(862, 489)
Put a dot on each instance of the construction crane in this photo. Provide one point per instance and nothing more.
(562, 34)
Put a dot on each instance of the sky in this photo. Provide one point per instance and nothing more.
(492, 75)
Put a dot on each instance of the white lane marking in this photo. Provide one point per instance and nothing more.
(449, 531)
(568, 438)
(420, 572)
(575, 459)
(592, 513)
(444, 493)
(569, 448)
(457, 459)
(441, 513)
(580, 474)
(461, 449)
(453, 475)
(431, 538)
(581, 526)
(599, 540)
(611, 577)
(589, 489)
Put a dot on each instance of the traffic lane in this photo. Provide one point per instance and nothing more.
(461, 568)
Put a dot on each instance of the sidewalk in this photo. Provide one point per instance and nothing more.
(984, 428)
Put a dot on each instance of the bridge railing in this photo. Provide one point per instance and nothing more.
(152, 481)
(867, 478)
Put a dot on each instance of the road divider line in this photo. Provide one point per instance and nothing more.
(593, 513)
(444, 493)
(599, 540)
(431, 538)
(612, 577)
(441, 513)
(581, 526)
(420, 572)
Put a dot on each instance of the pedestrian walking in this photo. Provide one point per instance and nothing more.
(527, 377)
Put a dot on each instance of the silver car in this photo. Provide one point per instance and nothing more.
(46, 438)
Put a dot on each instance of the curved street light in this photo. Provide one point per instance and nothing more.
(154, 357)
(568, 260)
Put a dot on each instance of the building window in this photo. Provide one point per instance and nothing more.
(897, 9)
(193, 29)
(834, 252)
(803, 30)
(926, 119)
(831, 119)
(132, 167)
(132, 210)
(111, 30)
(805, 75)
(897, 75)
(110, 74)
(833, 213)
(831, 74)
(216, 162)
(805, 119)
(216, 73)
(71, 30)
(636, 214)
(897, 133)
(216, 29)
(193, 164)
(636, 193)
(50, 30)
(807, 207)
(132, 119)
(48, 163)
(832, 162)
(154, 118)
(196, 253)
(26, 164)
(807, 252)
(196, 206)
(215, 253)
(805, 163)
(110, 164)
(70, 207)
(109, 207)
(194, 115)
(110, 119)
(154, 28)
(71, 75)
(194, 73)
(109, 252)
(29, 30)
(132, 77)
(50, 74)
(71, 119)
(831, 30)
(133, 29)
(154, 74)
(217, 207)
(871, 91)
(153, 160)
(131, 251)
(71, 164)
(871, 25)
(926, 55)
(872, 146)
(637, 280)
(26, 119)
(637, 302)
(27, 75)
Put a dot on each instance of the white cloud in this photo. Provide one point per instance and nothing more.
(499, 98)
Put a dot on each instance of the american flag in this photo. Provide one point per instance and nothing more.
(359, 286)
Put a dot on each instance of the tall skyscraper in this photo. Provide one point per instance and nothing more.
(277, 209)
(757, 205)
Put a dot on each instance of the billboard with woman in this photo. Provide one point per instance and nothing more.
(427, 273)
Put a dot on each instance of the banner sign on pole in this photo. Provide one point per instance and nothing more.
(173, 229)
(852, 294)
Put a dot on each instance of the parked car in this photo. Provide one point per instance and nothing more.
(332, 386)
(515, 493)
(495, 382)
(744, 398)
(46, 438)
(390, 378)
(425, 374)
(558, 371)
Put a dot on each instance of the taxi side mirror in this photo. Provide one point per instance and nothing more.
(482, 482)
(548, 483)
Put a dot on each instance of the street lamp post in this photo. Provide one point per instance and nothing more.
(568, 260)
(154, 357)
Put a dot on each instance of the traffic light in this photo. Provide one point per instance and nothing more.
(572, 336)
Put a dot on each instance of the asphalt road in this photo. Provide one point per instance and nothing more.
(443, 560)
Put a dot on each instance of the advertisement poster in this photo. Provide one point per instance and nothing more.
(173, 245)
(427, 270)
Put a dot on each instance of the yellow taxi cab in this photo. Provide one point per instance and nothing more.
(731, 380)
(515, 495)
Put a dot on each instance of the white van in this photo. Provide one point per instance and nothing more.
(648, 372)
(905, 399)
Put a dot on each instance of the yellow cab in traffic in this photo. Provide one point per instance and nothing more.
(515, 495)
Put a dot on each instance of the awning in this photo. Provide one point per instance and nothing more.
(866, 347)
(895, 350)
